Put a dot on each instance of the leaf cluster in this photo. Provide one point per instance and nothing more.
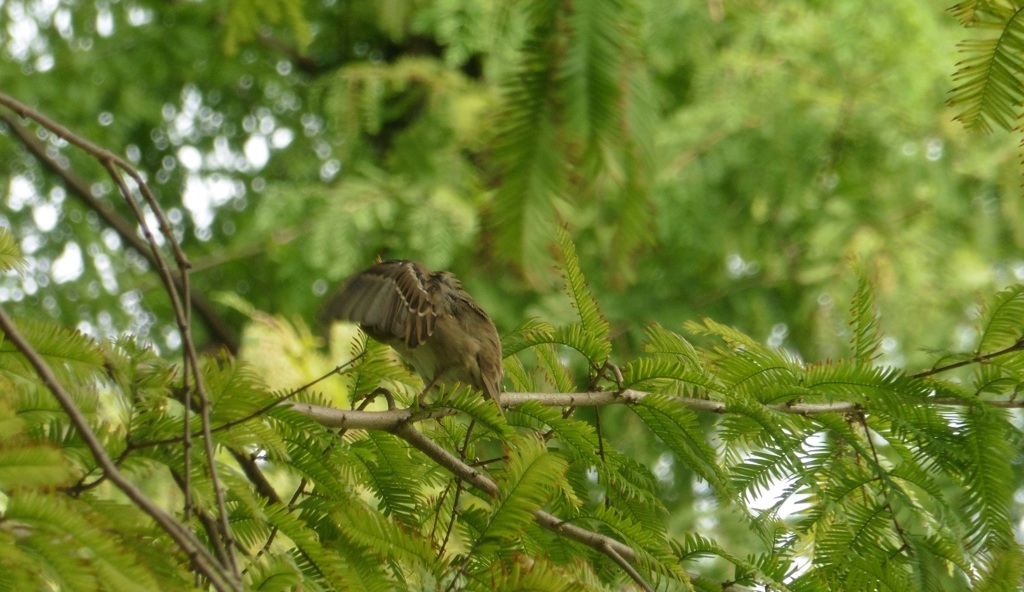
(910, 488)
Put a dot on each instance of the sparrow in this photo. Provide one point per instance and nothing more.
(429, 319)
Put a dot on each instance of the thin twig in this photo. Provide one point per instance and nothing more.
(862, 419)
(114, 166)
(626, 567)
(458, 492)
(976, 359)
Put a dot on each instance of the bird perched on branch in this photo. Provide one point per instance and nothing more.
(428, 319)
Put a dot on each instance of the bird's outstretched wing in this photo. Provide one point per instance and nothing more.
(391, 301)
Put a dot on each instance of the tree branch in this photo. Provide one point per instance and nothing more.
(217, 574)
(177, 288)
(79, 188)
(610, 547)
(978, 358)
(333, 417)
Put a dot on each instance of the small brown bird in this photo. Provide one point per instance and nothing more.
(428, 319)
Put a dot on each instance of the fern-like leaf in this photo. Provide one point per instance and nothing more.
(31, 466)
(73, 356)
(992, 444)
(679, 429)
(315, 560)
(385, 538)
(10, 254)
(867, 338)
(1002, 322)
(989, 84)
(579, 293)
(59, 526)
(527, 149)
(531, 332)
(527, 483)
(669, 377)
(391, 474)
(660, 342)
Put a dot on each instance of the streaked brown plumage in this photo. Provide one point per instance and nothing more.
(428, 319)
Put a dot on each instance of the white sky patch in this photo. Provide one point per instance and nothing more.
(20, 193)
(45, 216)
(190, 158)
(69, 266)
(107, 275)
(203, 195)
(257, 152)
(281, 138)
(105, 23)
(62, 22)
(86, 328)
(771, 495)
(197, 201)
(222, 156)
(21, 31)
(138, 16)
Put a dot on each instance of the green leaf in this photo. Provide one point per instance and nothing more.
(77, 545)
(527, 483)
(992, 444)
(594, 324)
(660, 342)
(10, 254)
(867, 338)
(653, 551)
(554, 368)
(74, 357)
(385, 538)
(31, 466)
(669, 376)
(530, 333)
(392, 475)
(988, 90)
(313, 558)
(527, 148)
(678, 428)
(1002, 321)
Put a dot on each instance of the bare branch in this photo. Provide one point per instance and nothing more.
(333, 417)
(626, 567)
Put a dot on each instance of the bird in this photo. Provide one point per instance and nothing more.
(429, 319)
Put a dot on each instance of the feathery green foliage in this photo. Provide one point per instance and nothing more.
(909, 487)
(575, 121)
(989, 89)
(10, 253)
(867, 336)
